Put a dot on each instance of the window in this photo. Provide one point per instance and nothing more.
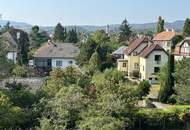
(156, 78)
(143, 67)
(157, 58)
(70, 62)
(156, 69)
(150, 78)
(168, 44)
(58, 63)
(136, 66)
(124, 64)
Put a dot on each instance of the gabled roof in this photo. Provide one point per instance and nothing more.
(12, 43)
(148, 50)
(164, 36)
(178, 46)
(120, 50)
(133, 45)
(57, 50)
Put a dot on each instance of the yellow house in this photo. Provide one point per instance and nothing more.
(130, 63)
(151, 60)
(142, 60)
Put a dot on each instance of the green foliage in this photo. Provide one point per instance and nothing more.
(86, 52)
(23, 45)
(182, 87)
(125, 31)
(66, 106)
(160, 25)
(94, 63)
(101, 123)
(62, 78)
(5, 64)
(186, 28)
(143, 89)
(45, 124)
(19, 96)
(59, 33)
(113, 75)
(167, 82)
(72, 36)
(100, 37)
(22, 107)
(19, 71)
(37, 38)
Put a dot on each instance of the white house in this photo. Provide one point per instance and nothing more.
(152, 59)
(12, 46)
(182, 49)
(52, 55)
(165, 39)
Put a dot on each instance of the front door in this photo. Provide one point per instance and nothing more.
(49, 63)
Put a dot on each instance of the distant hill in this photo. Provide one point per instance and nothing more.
(177, 25)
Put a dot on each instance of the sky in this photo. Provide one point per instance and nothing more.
(93, 12)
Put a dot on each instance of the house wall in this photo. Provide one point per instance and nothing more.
(167, 45)
(12, 56)
(65, 63)
(149, 63)
(120, 66)
(131, 63)
(185, 49)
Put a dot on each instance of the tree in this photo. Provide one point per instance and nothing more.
(160, 25)
(94, 63)
(72, 36)
(59, 33)
(37, 37)
(23, 45)
(186, 28)
(86, 51)
(101, 123)
(182, 87)
(100, 37)
(167, 83)
(125, 31)
(143, 89)
(5, 65)
(66, 107)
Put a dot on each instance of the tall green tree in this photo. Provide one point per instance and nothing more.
(186, 28)
(125, 31)
(160, 25)
(37, 37)
(94, 63)
(59, 33)
(23, 47)
(86, 51)
(182, 82)
(72, 36)
(167, 82)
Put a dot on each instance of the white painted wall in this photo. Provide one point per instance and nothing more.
(12, 56)
(65, 63)
(149, 63)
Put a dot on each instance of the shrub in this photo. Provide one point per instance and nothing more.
(143, 89)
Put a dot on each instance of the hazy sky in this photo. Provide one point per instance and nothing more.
(93, 12)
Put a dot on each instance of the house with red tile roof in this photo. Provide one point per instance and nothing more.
(143, 59)
(182, 49)
(165, 39)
